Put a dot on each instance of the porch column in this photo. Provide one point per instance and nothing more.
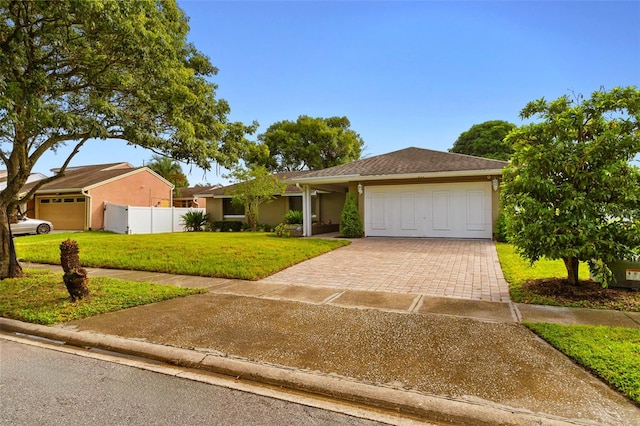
(306, 211)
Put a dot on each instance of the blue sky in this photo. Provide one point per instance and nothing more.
(404, 73)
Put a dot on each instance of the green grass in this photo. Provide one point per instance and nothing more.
(242, 255)
(517, 271)
(609, 352)
(40, 297)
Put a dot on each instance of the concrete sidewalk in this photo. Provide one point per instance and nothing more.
(444, 360)
(386, 301)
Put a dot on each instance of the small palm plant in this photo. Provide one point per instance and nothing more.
(194, 220)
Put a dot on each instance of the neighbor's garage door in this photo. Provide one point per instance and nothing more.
(64, 212)
(451, 210)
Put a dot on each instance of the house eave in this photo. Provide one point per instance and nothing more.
(58, 191)
(405, 176)
(218, 196)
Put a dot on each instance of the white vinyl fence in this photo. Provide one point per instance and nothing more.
(144, 220)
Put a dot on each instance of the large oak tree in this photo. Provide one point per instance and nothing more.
(570, 191)
(486, 140)
(71, 71)
(309, 143)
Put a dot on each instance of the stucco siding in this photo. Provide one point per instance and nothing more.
(214, 209)
(139, 189)
(331, 206)
(272, 213)
(495, 209)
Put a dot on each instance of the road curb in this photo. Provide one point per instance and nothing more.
(400, 401)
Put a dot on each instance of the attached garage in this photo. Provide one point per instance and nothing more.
(445, 210)
(67, 212)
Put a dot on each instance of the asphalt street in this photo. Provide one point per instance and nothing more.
(47, 387)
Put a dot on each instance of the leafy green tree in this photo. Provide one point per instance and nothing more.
(570, 191)
(254, 186)
(486, 140)
(169, 169)
(71, 71)
(350, 221)
(308, 143)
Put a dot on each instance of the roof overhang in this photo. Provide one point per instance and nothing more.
(406, 176)
(210, 195)
(58, 191)
(285, 194)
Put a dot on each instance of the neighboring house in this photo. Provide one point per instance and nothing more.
(32, 178)
(414, 192)
(188, 197)
(76, 200)
(325, 206)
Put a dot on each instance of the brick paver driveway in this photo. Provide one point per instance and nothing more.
(466, 269)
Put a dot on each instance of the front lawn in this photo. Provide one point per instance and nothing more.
(611, 353)
(241, 255)
(40, 297)
(544, 284)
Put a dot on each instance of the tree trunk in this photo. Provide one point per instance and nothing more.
(251, 213)
(75, 277)
(15, 270)
(572, 264)
(9, 265)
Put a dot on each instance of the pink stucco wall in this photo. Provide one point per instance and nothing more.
(142, 188)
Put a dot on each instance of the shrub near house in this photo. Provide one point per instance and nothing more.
(293, 217)
(292, 224)
(350, 222)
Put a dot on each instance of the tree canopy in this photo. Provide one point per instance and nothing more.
(169, 169)
(486, 140)
(307, 144)
(570, 191)
(71, 71)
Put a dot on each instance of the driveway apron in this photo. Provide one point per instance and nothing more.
(464, 269)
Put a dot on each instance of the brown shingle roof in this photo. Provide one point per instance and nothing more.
(291, 189)
(410, 161)
(86, 176)
(190, 192)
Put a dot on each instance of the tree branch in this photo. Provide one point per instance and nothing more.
(58, 175)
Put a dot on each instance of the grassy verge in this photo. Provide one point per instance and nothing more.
(611, 353)
(41, 297)
(543, 284)
(517, 271)
(242, 255)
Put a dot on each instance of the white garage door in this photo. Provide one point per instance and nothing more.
(451, 210)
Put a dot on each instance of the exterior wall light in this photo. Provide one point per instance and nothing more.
(495, 184)
(360, 189)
